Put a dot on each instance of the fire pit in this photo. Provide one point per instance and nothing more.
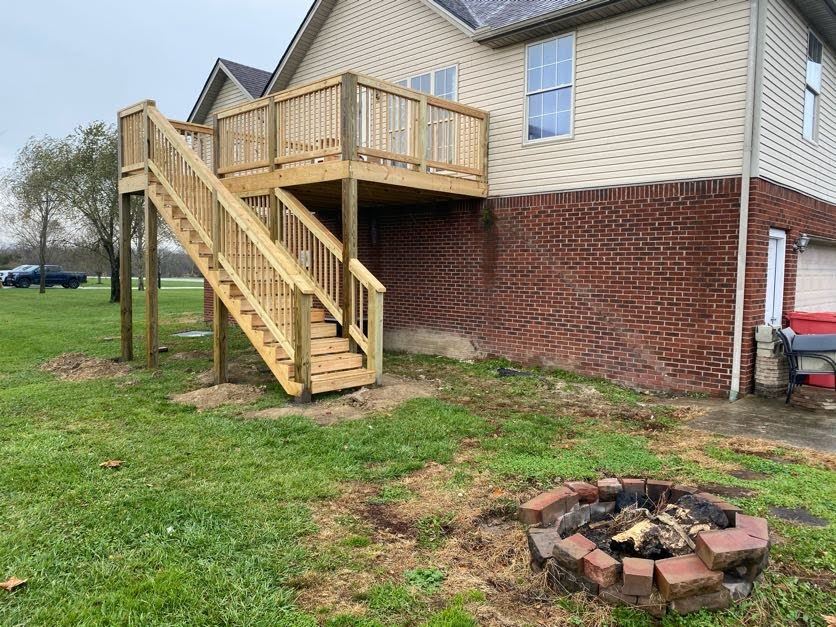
(645, 543)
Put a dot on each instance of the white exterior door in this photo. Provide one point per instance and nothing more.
(815, 287)
(775, 277)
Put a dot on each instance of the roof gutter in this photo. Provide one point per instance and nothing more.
(486, 33)
(754, 81)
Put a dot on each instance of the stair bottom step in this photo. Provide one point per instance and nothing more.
(325, 364)
(341, 380)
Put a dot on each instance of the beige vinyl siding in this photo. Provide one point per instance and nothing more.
(784, 156)
(660, 92)
(228, 96)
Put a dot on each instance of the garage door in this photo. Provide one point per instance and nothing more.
(815, 288)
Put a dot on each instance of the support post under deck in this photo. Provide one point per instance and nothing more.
(220, 323)
(151, 286)
(126, 324)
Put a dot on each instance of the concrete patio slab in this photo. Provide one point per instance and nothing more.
(766, 419)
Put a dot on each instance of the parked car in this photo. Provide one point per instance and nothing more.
(24, 276)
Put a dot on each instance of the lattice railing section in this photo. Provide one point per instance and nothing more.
(317, 251)
(132, 138)
(308, 124)
(392, 125)
(199, 138)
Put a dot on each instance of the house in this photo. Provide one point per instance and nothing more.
(621, 188)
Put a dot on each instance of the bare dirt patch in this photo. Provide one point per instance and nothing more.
(359, 404)
(80, 367)
(483, 548)
(217, 395)
(194, 354)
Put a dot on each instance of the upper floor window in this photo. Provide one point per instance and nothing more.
(549, 81)
(812, 91)
(441, 82)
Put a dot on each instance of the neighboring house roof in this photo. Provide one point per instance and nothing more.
(250, 80)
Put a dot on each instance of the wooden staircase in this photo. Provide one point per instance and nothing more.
(260, 281)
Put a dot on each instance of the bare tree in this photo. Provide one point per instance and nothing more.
(32, 206)
(86, 181)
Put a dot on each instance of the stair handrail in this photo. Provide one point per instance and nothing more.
(366, 291)
(227, 204)
(327, 291)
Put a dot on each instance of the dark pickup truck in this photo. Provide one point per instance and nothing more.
(24, 276)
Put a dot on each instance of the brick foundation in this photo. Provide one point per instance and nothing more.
(631, 283)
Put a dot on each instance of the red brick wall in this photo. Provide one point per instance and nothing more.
(631, 283)
(773, 206)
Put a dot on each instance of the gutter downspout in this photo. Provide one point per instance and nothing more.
(754, 83)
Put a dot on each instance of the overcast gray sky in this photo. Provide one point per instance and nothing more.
(69, 63)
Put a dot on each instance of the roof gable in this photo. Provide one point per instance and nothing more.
(248, 80)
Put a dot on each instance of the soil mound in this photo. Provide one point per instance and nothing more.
(217, 395)
(80, 367)
(365, 401)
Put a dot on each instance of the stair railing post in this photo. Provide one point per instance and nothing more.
(375, 334)
(303, 301)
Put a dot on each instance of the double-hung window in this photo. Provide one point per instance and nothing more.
(440, 127)
(441, 82)
(812, 91)
(549, 83)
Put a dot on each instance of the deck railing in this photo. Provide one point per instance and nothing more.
(352, 116)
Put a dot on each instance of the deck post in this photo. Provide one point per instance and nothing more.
(273, 223)
(348, 145)
(126, 324)
(349, 233)
(421, 132)
(216, 145)
(151, 285)
(220, 323)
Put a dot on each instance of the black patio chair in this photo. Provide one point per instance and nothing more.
(794, 359)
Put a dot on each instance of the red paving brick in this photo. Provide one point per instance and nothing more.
(678, 577)
(727, 548)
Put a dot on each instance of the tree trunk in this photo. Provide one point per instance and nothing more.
(114, 278)
(42, 258)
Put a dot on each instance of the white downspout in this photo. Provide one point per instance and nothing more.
(757, 21)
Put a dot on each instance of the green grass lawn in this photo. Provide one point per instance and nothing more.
(219, 519)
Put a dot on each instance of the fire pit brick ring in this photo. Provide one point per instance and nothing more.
(645, 543)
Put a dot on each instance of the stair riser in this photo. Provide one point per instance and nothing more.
(347, 362)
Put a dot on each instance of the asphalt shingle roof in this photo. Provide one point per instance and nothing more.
(499, 13)
(251, 78)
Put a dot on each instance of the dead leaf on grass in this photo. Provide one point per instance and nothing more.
(112, 463)
(830, 621)
(13, 584)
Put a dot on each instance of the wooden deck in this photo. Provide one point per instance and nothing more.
(240, 196)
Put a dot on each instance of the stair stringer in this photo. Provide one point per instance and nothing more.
(267, 352)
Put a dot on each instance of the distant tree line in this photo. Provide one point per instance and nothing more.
(59, 204)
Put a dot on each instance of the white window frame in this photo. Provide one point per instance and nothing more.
(557, 138)
(405, 82)
(813, 89)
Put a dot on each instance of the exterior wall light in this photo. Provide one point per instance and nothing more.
(801, 243)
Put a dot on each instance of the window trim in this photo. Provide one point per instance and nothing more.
(817, 95)
(557, 138)
(408, 79)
